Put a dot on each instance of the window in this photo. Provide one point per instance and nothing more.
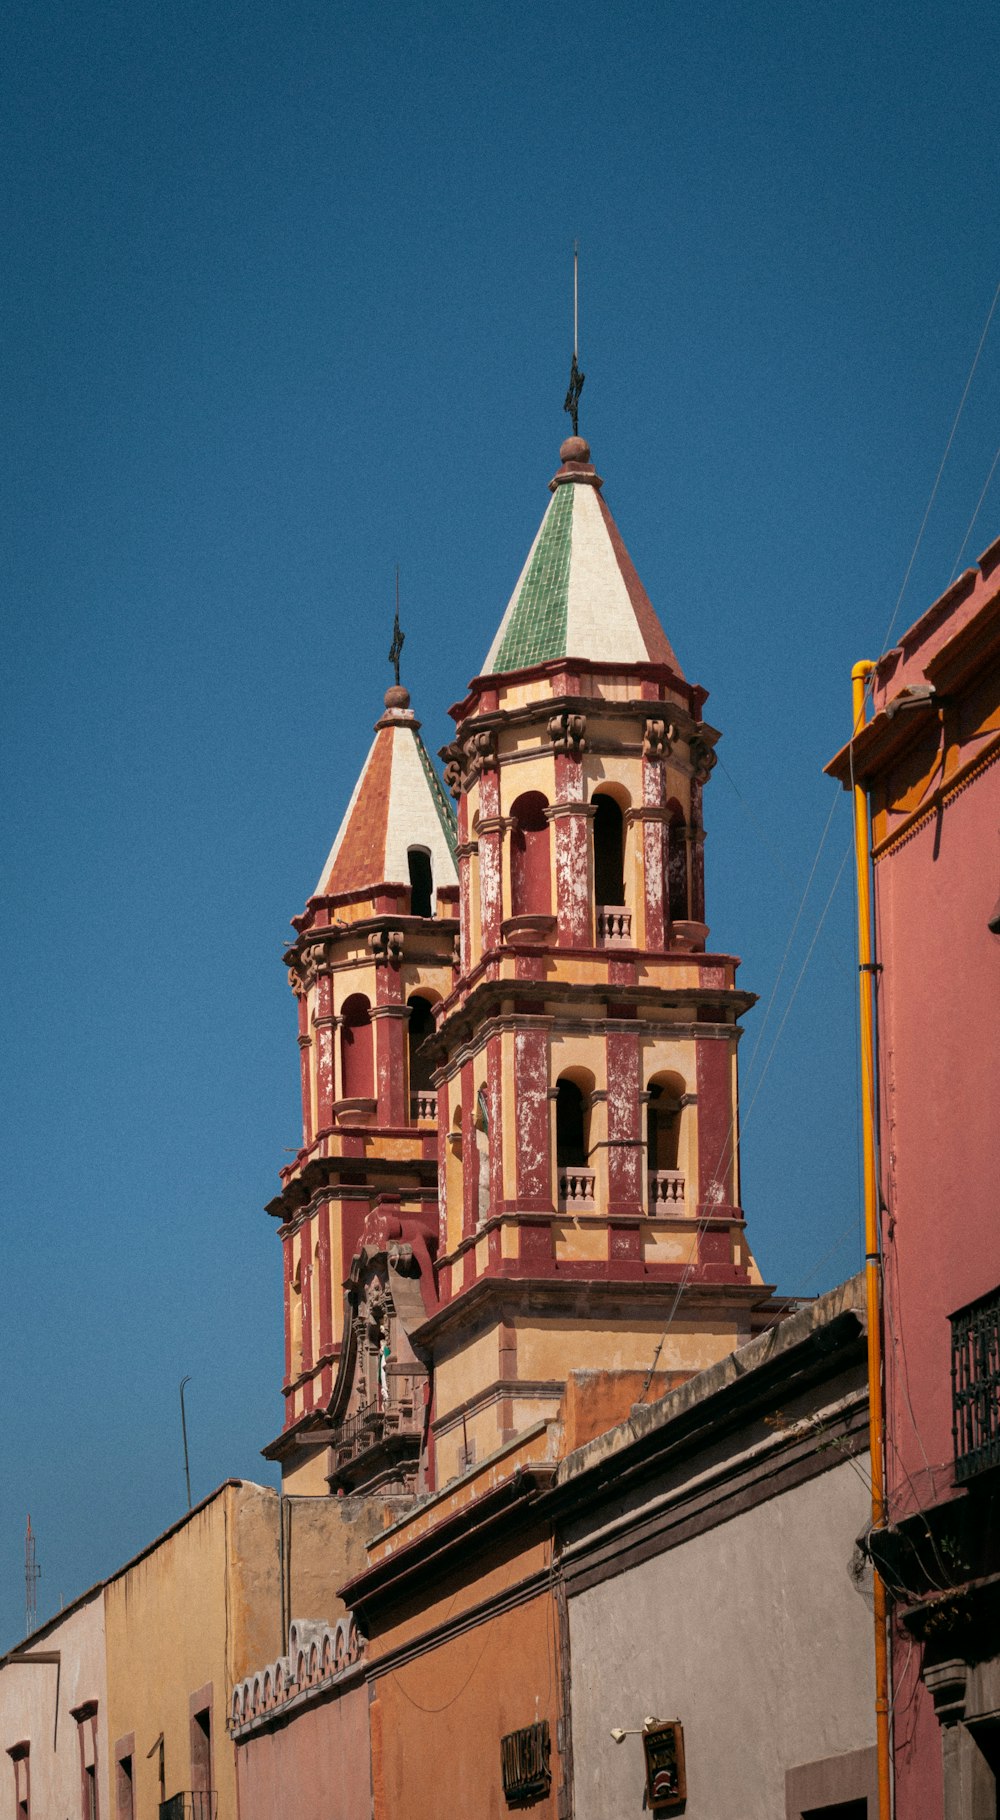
(421, 882)
(86, 1731)
(124, 1791)
(19, 1756)
(975, 1386)
(609, 852)
(663, 1127)
(201, 1762)
(571, 1126)
(677, 865)
(530, 882)
(356, 1054)
(421, 1025)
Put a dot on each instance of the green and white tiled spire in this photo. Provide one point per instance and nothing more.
(578, 594)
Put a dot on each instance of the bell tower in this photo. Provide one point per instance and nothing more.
(586, 1056)
(373, 955)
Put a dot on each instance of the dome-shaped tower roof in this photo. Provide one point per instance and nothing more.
(398, 803)
(578, 594)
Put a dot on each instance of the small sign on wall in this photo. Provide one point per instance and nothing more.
(666, 1782)
(524, 1761)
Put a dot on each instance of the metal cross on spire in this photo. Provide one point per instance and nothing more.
(398, 637)
(576, 378)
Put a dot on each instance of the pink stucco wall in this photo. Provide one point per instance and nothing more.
(315, 1764)
(939, 1071)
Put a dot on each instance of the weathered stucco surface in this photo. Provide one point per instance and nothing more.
(753, 1634)
(36, 1707)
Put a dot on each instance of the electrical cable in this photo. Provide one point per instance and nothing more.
(975, 514)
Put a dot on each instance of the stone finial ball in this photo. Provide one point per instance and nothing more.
(397, 696)
(575, 448)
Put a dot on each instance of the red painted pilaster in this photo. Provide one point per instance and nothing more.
(463, 855)
(470, 1154)
(389, 1016)
(624, 1130)
(569, 816)
(325, 1025)
(325, 1285)
(654, 857)
(305, 1280)
(531, 1117)
(490, 859)
(443, 1130)
(715, 1131)
(286, 1260)
(305, 1065)
(494, 1090)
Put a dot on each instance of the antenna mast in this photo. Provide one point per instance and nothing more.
(31, 1577)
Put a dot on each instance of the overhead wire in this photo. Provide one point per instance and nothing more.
(869, 686)
(975, 515)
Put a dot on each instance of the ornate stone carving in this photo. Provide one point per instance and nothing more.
(658, 738)
(481, 751)
(568, 733)
(386, 947)
(454, 768)
(703, 759)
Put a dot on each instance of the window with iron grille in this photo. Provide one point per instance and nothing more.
(975, 1386)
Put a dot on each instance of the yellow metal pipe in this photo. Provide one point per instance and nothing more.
(866, 975)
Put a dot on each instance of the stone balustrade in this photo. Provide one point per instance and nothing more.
(667, 1191)
(577, 1189)
(614, 926)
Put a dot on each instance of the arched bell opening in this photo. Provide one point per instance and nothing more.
(421, 870)
(665, 1132)
(357, 1057)
(613, 916)
(678, 897)
(576, 1180)
(530, 870)
(423, 1094)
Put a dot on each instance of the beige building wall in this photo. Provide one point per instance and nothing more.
(37, 1704)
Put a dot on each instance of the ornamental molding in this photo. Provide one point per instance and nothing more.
(480, 752)
(658, 740)
(556, 811)
(703, 759)
(453, 758)
(568, 733)
(386, 947)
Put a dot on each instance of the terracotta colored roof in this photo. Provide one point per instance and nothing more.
(578, 594)
(398, 803)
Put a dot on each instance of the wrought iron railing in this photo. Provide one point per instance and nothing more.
(191, 1804)
(614, 926)
(975, 1386)
(367, 1427)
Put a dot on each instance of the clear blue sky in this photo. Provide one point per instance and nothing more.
(286, 301)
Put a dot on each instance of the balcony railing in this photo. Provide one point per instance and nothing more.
(423, 1107)
(368, 1427)
(666, 1191)
(191, 1804)
(577, 1190)
(614, 926)
(975, 1386)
